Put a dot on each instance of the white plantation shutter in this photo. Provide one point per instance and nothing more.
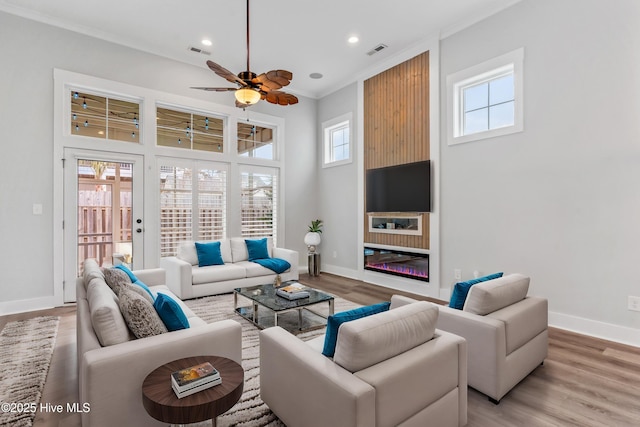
(212, 204)
(176, 195)
(182, 194)
(259, 193)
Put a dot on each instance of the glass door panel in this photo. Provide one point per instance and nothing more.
(106, 225)
(104, 212)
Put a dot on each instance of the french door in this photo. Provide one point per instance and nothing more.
(103, 200)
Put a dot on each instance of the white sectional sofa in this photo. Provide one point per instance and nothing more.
(187, 280)
(112, 363)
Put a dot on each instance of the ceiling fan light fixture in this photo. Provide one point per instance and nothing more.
(254, 87)
(247, 96)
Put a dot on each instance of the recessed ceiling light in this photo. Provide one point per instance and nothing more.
(315, 75)
(206, 42)
(353, 39)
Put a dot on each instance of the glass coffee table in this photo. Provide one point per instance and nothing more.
(269, 309)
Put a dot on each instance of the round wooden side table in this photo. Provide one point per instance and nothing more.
(162, 403)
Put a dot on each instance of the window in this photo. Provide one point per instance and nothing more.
(488, 105)
(486, 100)
(102, 117)
(191, 131)
(181, 194)
(337, 141)
(259, 201)
(255, 141)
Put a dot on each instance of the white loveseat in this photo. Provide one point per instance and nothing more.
(187, 280)
(110, 376)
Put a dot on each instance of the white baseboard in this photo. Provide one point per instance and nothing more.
(21, 306)
(594, 328)
(341, 271)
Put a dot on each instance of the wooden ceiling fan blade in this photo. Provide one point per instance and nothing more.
(281, 76)
(275, 78)
(216, 89)
(265, 84)
(224, 73)
(280, 98)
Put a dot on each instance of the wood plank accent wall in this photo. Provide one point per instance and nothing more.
(396, 131)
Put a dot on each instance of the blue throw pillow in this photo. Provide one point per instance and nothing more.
(334, 322)
(257, 249)
(170, 312)
(129, 272)
(461, 290)
(209, 254)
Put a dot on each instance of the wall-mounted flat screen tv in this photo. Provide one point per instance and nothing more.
(401, 188)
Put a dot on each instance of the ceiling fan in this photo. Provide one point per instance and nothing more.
(251, 87)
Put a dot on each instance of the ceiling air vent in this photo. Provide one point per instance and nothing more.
(377, 49)
(198, 50)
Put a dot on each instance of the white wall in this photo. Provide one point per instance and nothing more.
(30, 51)
(337, 186)
(559, 202)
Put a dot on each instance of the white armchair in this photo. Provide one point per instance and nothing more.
(506, 332)
(389, 369)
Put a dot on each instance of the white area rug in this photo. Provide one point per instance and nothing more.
(250, 411)
(26, 348)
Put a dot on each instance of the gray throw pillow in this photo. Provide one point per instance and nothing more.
(139, 314)
(138, 290)
(116, 278)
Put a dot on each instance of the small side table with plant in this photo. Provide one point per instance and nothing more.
(312, 240)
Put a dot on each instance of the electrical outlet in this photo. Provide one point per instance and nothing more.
(634, 303)
(457, 274)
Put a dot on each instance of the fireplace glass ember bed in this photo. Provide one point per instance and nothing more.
(398, 263)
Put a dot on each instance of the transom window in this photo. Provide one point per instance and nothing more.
(255, 141)
(337, 141)
(102, 117)
(486, 100)
(191, 131)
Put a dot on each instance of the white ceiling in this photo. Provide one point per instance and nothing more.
(302, 36)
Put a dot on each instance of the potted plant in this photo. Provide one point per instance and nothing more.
(312, 238)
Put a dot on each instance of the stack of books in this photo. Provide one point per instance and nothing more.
(293, 290)
(194, 379)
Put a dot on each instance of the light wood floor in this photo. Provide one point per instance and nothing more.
(584, 382)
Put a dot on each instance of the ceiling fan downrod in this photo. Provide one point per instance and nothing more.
(248, 68)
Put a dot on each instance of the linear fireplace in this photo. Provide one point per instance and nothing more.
(398, 263)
